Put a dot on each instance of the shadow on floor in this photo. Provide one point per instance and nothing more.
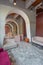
(38, 46)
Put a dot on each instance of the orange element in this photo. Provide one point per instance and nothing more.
(26, 39)
(36, 2)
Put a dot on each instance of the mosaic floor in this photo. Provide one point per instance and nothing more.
(27, 54)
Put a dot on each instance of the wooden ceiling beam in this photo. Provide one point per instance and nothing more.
(24, 0)
(36, 2)
(39, 11)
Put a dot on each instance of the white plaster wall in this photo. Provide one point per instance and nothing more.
(33, 29)
(3, 13)
(0, 30)
(2, 21)
(32, 18)
(33, 23)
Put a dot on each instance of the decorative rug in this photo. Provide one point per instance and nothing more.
(27, 54)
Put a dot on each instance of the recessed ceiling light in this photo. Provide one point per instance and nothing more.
(14, 2)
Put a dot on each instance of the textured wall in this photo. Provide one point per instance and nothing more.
(39, 25)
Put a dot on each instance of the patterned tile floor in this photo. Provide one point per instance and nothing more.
(27, 54)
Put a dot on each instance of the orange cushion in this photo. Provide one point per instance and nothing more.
(26, 39)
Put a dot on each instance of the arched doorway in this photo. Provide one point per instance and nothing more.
(8, 10)
(26, 19)
(8, 28)
(15, 19)
(12, 22)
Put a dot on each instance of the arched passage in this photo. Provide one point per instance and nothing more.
(11, 20)
(5, 10)
(28, 16)
(25, 17)
(10, 26)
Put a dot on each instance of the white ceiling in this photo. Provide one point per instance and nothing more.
(10, 3)
(20, 3)
(23, 4)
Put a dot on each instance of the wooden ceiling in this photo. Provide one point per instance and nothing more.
(36, 2)
(24, 0)
(38, 10)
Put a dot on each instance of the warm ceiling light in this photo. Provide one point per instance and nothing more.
(14, 2)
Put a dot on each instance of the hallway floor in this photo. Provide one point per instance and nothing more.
(27, 54)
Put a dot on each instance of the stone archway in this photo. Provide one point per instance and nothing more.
(25, 17)
(5, 10)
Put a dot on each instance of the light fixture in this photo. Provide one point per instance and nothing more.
(14, 2)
